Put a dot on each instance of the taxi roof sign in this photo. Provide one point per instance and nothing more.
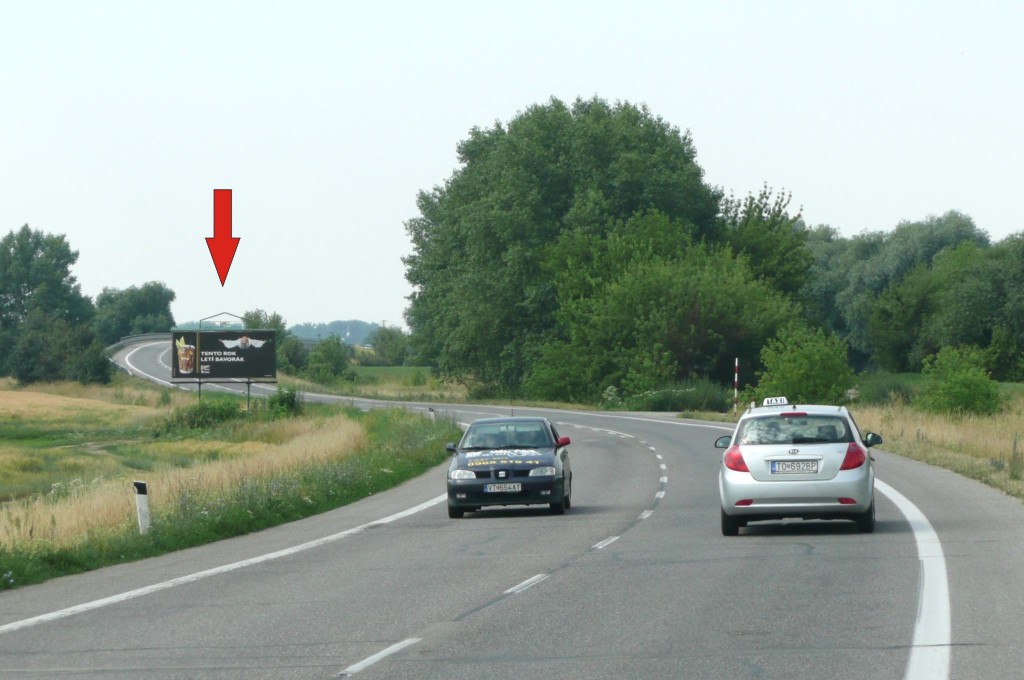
(775, 401)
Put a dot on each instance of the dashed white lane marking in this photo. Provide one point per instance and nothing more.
(663, 466)
(605, 543)
(663, 480)
(659, 495)
(528, 583)
(164, 585)
(369, 661)
(646, 513)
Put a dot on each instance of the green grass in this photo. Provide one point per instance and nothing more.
(61, 457)
(401, 375)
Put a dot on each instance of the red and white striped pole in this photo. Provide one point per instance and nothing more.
(736, 388)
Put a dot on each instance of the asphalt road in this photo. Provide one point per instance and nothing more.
(635, 581)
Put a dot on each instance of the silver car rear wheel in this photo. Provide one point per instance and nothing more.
(730, 525)
(866, 521)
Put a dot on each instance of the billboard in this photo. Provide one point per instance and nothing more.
(214, 355)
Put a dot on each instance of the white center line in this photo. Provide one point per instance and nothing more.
(528, 583)
(369, 661)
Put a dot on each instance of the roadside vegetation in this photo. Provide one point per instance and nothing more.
(71, 452)
(988, 448)
(575, 256)
(404, 383)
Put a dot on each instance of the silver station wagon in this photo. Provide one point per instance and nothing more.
(806, 461)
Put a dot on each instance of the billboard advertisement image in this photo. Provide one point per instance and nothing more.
(214, 355)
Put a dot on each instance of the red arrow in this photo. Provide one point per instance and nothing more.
(223, 245)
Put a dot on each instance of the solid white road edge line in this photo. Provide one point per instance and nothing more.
(190, 578)
(929, 655)
(369, 661)
(128, 360)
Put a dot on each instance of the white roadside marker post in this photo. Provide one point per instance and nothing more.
(142, 506)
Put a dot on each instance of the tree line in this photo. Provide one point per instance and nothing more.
(577, 252)
(51, 331)
(578, 248)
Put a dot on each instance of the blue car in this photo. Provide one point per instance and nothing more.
(509, 461)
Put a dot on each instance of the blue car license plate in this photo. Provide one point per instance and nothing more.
(503, 488)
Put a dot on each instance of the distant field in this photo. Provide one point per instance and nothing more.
(54, 436)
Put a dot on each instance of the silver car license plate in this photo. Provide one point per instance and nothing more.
(794, 467)
(503, 488)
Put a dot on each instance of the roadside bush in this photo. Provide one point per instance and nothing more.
(285, 402)
(418, 378)
(959, 384)
(806, 366)
(204, 414)
(699, 394)
(878, 389)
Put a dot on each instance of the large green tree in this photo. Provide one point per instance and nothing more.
(806, 366)
(485, 302)
(132, 311)
(40, 299)
(658, 321)
(390, 345)
(330, 360)
(774, 241)
(35, 274)
(890, 257)
(292, 353)
(48, 349)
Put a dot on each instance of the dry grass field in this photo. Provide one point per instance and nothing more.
(79, 510)
(982, 448)
(69, 454)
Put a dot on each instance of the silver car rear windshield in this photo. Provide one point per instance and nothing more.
(794, 429)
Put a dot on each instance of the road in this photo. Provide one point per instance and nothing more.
(635, 581)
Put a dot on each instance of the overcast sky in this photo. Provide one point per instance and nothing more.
(118, 120)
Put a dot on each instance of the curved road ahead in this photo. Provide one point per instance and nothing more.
(636, 581)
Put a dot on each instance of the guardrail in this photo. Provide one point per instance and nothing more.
(142, 337)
